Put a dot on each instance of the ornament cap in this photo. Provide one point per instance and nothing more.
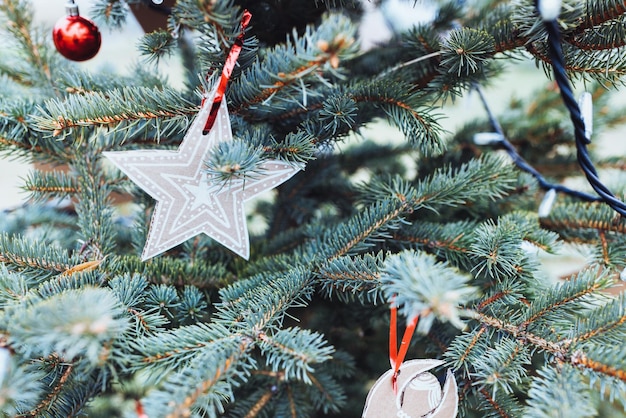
(71, 8)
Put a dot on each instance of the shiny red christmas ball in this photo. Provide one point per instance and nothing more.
(76, 38)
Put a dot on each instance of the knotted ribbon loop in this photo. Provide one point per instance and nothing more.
(397, 357)
(229, 65)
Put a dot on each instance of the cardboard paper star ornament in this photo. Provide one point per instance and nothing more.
(419, 393)
(189, 201)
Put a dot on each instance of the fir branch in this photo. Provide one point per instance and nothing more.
(62, 282)
(19, 254)
(584, 216)
(192, 390)
(583, 287)
(218, 21)
(256, 409)
(598, 13)
(169, 349)
(192, 306)
(371, 224)
(76, 324)
(297, 147)
(233, 160)
(54, 393)
(330, 395)
(561, 389)
(465, 50)
(580, 359)
(357, 275)
(167, 270)
(26, 388)
(603, 367)
(475, 337)
(305, 58)
(75, 398)
(157, 45)
(20, 77)
(612, 69)
(610, 318)
(107, 109)
(14, 290)
(443, 188)
(396, 198)
(498, 23)
(259, 304)
(502, 366)
(294, 351)
(590, 224)
(447, 186)
(406, 109)
(83, 83)
(111, 12)
(559, 348)
(292, 403)
(606, 36)
(425, 241)
(12, 143)
(93, 209)
(605, 248)
(43, 185)
(146, 322)
(19, 135)
(449, 240)
(497, 249)
(493, 298)
(20, 21)
(500, 411)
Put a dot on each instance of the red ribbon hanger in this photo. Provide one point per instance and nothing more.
(396, 358)
(229, 65)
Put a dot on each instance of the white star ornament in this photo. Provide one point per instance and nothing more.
(189, 201)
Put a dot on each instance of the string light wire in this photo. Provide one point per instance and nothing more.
(557, 58)
(518, 160)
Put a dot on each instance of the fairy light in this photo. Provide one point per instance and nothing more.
(549, 9)
(546, 204)
(5, 359)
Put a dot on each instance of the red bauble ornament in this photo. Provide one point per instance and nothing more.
(75, 37)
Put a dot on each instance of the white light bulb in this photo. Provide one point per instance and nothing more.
(529, 248)
(487, 138)
(402, 15)
(549, 9)
(546, 204)
(585, 103)
(5, 359)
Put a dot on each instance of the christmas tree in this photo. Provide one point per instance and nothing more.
(283, 308)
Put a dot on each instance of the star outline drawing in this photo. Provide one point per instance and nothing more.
(186, 205)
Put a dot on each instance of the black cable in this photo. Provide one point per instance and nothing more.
(520, 162)
(555, 52)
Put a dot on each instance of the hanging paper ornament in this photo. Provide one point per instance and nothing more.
(418, 393)
(189, 200)
(407, 390)
(75, 37)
